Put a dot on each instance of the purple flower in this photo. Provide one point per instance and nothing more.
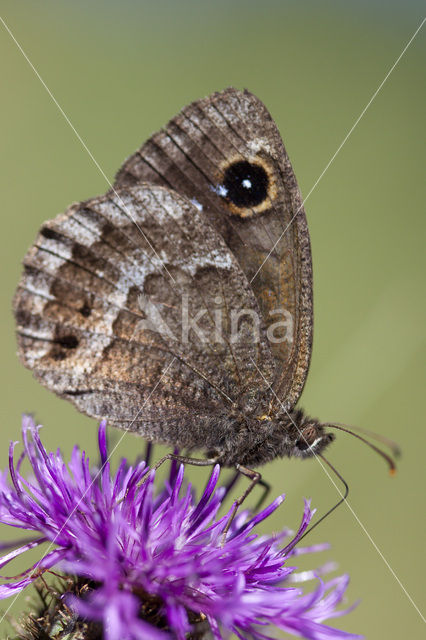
(136, 545)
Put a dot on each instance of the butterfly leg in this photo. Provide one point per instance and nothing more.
(255, 478)
(231, 484)
(265, 486)
(266, 489)
(197, 462)
(148, 453)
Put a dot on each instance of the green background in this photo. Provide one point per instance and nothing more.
(120, 71)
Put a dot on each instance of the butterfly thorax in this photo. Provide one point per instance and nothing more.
(260, 439)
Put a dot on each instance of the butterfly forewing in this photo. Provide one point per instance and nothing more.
(226, 155)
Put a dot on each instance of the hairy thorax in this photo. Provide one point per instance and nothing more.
(255, 441)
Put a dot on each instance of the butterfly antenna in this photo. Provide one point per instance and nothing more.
(342, 499)
(391, 463)
(393, 446)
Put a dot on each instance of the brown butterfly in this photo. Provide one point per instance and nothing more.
(179, 304)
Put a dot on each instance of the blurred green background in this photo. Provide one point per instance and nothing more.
(120, 71)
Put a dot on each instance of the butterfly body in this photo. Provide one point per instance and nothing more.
(255, 441)
(179, 304)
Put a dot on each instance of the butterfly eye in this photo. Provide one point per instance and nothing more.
(246, 184)
(309, 436)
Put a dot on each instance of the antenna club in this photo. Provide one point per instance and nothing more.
(384, 455)
(392, 471)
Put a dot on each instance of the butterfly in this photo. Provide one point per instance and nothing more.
(179, 304)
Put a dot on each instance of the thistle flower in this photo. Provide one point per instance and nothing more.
(157, 561)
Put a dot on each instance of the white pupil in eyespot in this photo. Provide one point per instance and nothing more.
(246, 183)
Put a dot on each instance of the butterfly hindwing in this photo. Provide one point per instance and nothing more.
(123, 309)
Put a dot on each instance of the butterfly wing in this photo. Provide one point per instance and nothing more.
(121, 309)
(225, 154)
